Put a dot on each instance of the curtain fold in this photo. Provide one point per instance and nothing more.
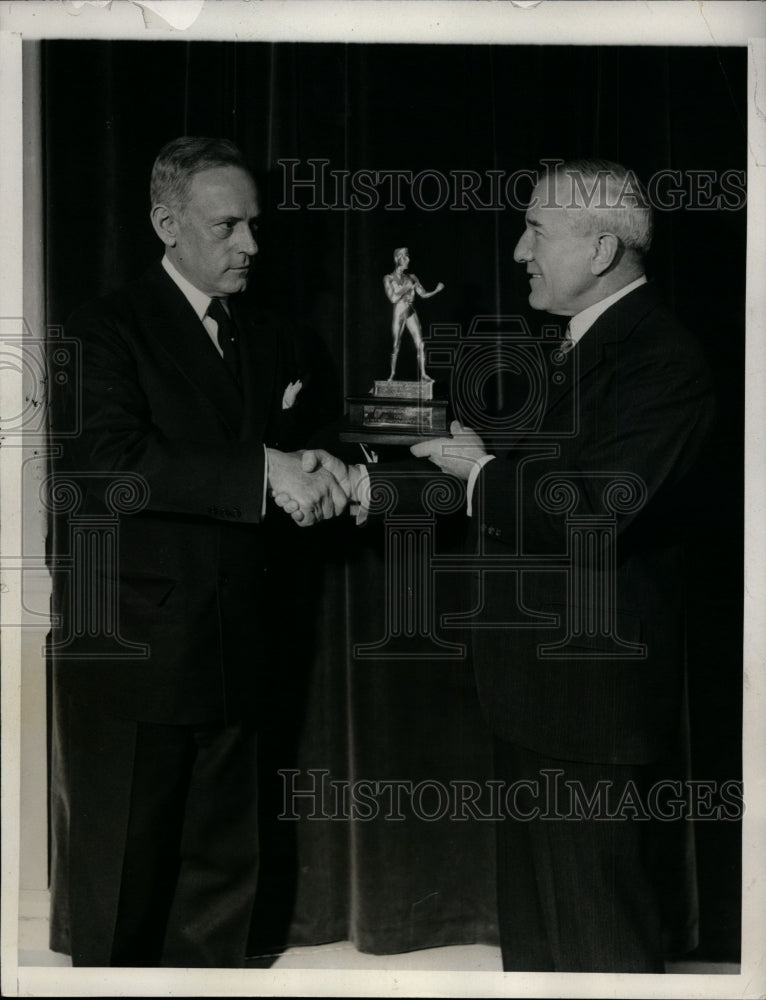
(333, 720)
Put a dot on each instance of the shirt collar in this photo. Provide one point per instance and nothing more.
(583, 321)
(198, 300)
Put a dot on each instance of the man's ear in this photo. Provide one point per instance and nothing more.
(165, 223)
(607, 251)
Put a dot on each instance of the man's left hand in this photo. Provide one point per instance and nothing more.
(456, 455)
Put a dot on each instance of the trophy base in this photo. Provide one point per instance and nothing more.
(405, 438)
(404, 390)
(401, 413)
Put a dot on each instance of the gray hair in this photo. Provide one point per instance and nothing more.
(613, 200)
(180, 159)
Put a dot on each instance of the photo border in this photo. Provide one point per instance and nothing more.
(430, 22)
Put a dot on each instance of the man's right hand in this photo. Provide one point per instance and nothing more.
(318, 460)
(309, 496)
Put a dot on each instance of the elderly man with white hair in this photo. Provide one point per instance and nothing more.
(579, 664)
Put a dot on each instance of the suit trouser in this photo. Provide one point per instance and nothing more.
(575, 894)
(162, 852)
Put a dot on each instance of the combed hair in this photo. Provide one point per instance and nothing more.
(613, 198)
(180, 159)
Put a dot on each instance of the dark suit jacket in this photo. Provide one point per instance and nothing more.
(642, 405)
(159, 407)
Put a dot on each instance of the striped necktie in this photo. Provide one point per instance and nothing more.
(566, 341)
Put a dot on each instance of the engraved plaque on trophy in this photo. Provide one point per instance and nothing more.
(400, 412)
(392, 417)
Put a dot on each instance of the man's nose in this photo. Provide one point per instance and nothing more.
(247, 242)
(523, 251)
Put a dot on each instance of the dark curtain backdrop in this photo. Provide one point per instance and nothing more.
(108, 107)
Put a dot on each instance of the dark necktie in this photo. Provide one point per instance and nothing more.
(227, 340)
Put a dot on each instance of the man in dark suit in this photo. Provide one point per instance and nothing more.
(186, 404)
(579, 665)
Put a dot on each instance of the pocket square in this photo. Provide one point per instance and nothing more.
(291, 394)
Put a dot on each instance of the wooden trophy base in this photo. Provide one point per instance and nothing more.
(400, 413)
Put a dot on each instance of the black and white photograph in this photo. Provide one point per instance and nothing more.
(382, 498)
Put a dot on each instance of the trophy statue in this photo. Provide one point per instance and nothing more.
(400, 412)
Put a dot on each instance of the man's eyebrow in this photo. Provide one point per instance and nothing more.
(234, 218)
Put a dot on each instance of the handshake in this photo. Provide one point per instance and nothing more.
(314, 485)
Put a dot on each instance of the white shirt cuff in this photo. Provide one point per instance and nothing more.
(265, 479)
(363, 494)
(472, 482)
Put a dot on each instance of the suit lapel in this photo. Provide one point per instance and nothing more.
(612, 326)
(179, 331)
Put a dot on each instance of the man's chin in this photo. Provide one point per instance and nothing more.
(237, 282)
